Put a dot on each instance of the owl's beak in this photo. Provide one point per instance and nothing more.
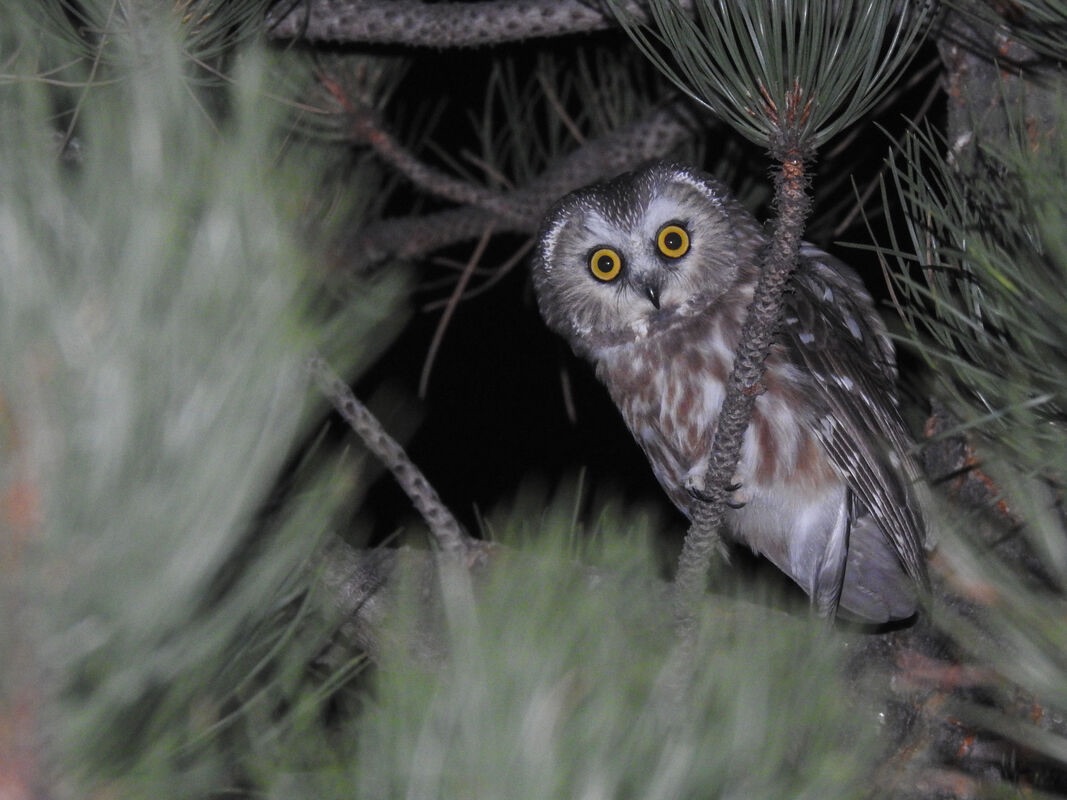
(652, 293)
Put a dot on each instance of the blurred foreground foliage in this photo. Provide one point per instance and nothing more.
(158, 305)
(981, 283)
(171, 191)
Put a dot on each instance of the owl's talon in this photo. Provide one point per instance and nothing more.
(732, 488)
(699, 494)
(706, 497)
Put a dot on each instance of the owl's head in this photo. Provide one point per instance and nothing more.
(621, 259)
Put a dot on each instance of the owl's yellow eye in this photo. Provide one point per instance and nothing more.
(605, 264)
(673, 240)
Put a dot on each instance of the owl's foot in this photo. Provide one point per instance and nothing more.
(735, 502)
(694, 485)
(697, 492)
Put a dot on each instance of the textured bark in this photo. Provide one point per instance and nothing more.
(997, 87)
(437, 25)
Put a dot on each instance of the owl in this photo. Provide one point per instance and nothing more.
(649, 276)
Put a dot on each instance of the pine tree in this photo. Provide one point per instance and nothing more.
(216, 219)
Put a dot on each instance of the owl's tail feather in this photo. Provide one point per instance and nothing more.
(876, 588)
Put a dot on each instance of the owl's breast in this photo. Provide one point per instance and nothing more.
(670, 388)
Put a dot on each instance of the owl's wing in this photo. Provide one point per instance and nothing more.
(830, 327)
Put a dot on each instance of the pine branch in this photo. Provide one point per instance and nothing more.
(437, 182)
(436, 25)
(781, 73)
(655, 135)
(443, 525)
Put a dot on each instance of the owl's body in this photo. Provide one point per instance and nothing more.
(649, 276)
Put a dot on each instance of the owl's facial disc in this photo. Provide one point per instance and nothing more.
(642, 265)
(639, 254)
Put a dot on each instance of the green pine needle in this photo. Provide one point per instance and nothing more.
(787, 75)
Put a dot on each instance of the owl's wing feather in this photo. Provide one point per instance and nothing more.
(830, 328)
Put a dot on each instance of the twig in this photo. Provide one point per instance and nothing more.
(453, 301)
(496, 275)
(444, 527)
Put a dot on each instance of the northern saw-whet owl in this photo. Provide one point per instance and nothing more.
(649, 276)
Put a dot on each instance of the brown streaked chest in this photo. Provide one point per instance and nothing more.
(670, 388)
